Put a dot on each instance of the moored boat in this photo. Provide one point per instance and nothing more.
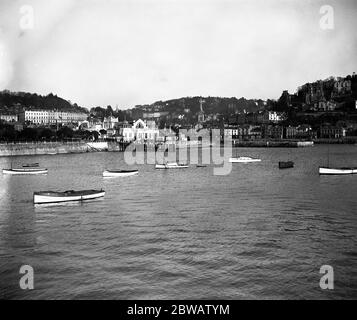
(23, 171)
(31, 165)
(201, 165)
(171, 165)
(337, 171)
(67, 196)
(244, 160)
(120, 173)
(286, 164)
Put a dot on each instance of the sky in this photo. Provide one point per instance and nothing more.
(128, 52)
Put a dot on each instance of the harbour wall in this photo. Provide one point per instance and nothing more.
(273, 144)
(43, 148)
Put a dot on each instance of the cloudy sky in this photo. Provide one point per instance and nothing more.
(127, 52)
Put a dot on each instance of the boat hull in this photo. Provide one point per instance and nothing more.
(243, 160)
(24, 171)
(59, 197)
(337, 171)
(170, 166)
(111, 174)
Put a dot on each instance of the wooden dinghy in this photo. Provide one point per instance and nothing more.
(25, 171)
(172, 165)
(337, 171)
(243, 160)
(31, 165)
(67, 196)
(120, 173)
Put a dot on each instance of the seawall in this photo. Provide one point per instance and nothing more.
(42, 148)
(273, 144)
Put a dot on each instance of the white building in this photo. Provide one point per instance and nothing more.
(274, 116)
(110, 123)
(139, 131)
(51, 117)
(9, 117)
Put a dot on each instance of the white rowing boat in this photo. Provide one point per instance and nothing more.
(67, 196)
(337, 171)
(243, 160)
(23, 171)
(171, 165)
(119, 173)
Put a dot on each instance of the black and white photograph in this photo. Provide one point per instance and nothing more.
(178, 150)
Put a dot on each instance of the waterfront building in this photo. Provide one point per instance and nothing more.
(51, 117)
(273, 132)
(303, 131)
(110, 122)
(96, 124)
(332, 132)
(243, 132)
(138, 131)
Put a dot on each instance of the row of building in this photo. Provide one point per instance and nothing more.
(305, 132)
(45, 117)
(262, 125)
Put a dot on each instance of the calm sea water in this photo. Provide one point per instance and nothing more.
(258, 233)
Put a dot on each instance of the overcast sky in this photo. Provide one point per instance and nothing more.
(128, 52)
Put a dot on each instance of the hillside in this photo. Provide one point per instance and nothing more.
(191, 105)
(14, 102)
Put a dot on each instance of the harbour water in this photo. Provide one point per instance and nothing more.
(257, 233)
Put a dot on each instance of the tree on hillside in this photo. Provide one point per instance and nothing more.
(65, 133)
(109, 111)
(47, 134)
(29, 134)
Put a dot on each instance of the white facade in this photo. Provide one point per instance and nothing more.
(140, 131)
(48, 117)
(110, 123)
(9, 117)
(276, 116)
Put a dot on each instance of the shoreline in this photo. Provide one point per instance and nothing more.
(54, 148)
(50, 148)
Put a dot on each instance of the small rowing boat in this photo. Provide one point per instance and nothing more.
(201, 166)
(171, 165)
(24, 171)
(337, 171)
(67, 196)
(286, 164)
(31, 165)
(120, 173)
(243, 160)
